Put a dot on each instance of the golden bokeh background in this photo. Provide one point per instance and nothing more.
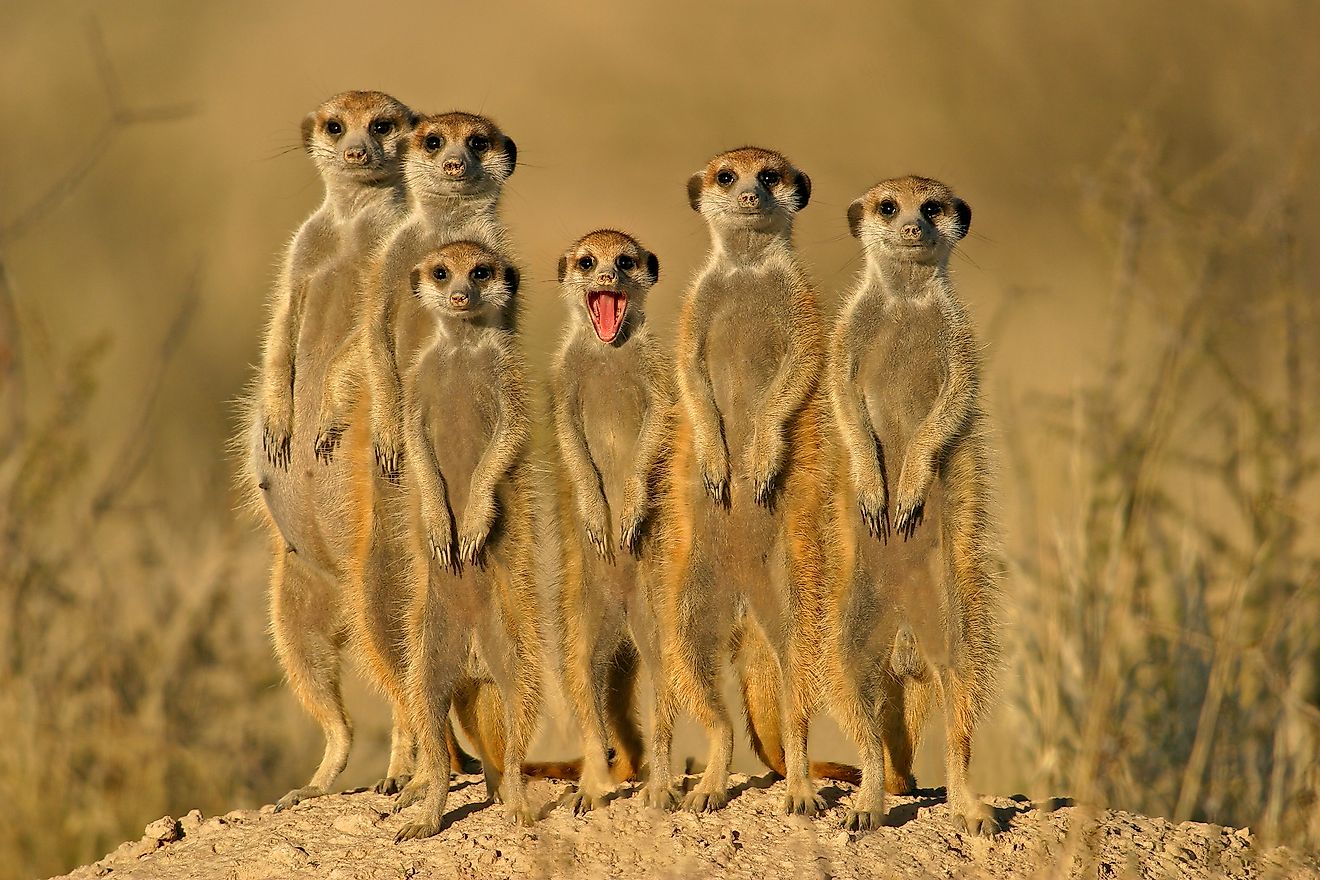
(1123, 161)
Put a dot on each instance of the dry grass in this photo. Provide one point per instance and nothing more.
(1170, 658)
(1140, 263)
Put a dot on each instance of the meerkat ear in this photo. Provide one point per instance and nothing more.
(964, 212)
(308, 126)
(694, 190)
(415, 282)
(511, 149)
(511, 280)
(563, 267)
(653, 266)
(855, 211)
(803, 187)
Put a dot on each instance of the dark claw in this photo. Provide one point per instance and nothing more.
(276, 448)
(327, 442)
(388, 460)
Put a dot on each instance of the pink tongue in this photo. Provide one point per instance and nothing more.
(606, 315)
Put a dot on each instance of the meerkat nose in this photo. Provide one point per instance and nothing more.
(749, 200)
(911, 232)
(356, 155)
(453, 167)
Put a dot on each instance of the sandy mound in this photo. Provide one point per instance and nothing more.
(352, 836)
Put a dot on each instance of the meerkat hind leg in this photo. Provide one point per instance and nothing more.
(589, 674)
(969, 812)
(308, 640)
(865, 689)
(620, 699)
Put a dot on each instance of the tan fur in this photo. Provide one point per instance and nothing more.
(915, 611)
(318, 514)
(453, 190)
(613, 404)
(746, 491)
(474, 620)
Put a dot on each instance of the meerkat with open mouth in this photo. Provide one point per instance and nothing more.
(613, 402)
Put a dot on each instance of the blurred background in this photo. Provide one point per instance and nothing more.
(1141, 269)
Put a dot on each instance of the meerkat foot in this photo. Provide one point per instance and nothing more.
(978, 818)
(581, 802)
(392, 784)
(418, 830)
(298, 795)
(327, 441)
(703, 799)
(861, 819)
(803, 800)
(661, 796)
(411, 793)
(520, 812)
(903, 785)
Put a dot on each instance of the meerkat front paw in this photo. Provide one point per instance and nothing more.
(910, 503)
(441, 542)
(767, 459)
(327, 441)
(595, 524)
(277, 429)
(389, 458)
(633, 515)
(874, 507)
(472, 536)
(715, 473)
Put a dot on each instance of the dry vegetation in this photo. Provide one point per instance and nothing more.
(1142, 265)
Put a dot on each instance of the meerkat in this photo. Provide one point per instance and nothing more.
(746, 494)
(613, 409)
(917, 601)
(316, 515)
(474, 617)
(455, 165)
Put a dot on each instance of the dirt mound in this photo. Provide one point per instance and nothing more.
(351, 836)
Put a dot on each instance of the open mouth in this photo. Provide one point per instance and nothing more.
(607, 308)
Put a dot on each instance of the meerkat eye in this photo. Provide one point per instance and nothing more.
(586, 264)
(478, 143)
(480, 273)
(724, 178)
(439, 273)
(433, 142)
(334, 128)
(382, 127)
(769, 178)
(887, 207)
(625, 263)
(931, 210)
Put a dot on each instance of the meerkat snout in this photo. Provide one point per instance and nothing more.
(356, 155)
(911, 232)
(459, 299)
(454, 167)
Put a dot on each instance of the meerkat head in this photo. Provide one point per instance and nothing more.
(466, 281)
(358, 136)
(459, 154)
(749, 188)
(604, 277)
(912, 219)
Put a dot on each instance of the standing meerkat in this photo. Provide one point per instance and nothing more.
(474, 616)
(613, 402)
(455, 165)
(746, 495)
(917, 602)
(356, 140)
